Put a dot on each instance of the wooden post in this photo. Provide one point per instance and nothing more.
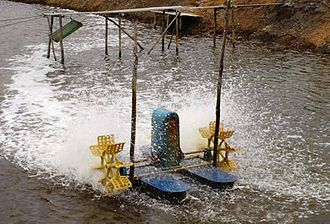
(177, 32)
(125, 32)
(169, 43)
(169, 25)
(163, 28)
(106, 36)
(61, 38)
(155, 21)
(133, 118)
(50, 25)
(233, 27)
(119, 34)
(217, 120)
(215, 27)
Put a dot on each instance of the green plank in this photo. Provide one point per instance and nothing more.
(67, 30)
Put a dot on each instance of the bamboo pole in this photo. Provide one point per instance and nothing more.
(217, 120)
(215, 27)
(177, 32)
(163, 34)
(155, 21)
(233, 38)
(119, 34)
(163, 28)
(50, 25)
(125, 32)
(169, 43)
(51, 42)
(106, 36)
(133, 119)
(61, 39)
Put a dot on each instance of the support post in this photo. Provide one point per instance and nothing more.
(169, 25)
(219, 84)
(133, 118)
(119, 34)
(155, 21)
(169, 43)
(106, 36)
(61, 38)
(215, 27)
(233, 38)
(50, 25)
(177, 14)
(163, 28)
(125, 32)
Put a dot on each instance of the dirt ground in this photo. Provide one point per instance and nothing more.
(303, 25)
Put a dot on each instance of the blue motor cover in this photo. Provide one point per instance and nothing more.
(165, 137)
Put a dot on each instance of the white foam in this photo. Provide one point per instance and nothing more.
(52, 136)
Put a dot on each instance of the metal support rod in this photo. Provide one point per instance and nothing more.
(215, 27)
(217, 120)
(106, 36)
(133, 119)
(233, 38)
(195, 152)
(163, 34)
(125, 32)
(163, 28)
(174, 169)
(119, 34)
(177, 32)
(61, 39)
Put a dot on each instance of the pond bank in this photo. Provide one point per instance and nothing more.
(304, 25)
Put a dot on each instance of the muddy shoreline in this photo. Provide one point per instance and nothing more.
(304, 25)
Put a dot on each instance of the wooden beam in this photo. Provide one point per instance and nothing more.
(163, 34)
(125, 32)
(219, 85)
(61, 40)
(179, 8)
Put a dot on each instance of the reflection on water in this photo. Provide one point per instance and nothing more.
(277, 103)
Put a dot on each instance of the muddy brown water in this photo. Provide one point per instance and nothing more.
(277, 103)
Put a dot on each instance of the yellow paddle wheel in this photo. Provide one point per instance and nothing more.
(107, 149)
(223, 148)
